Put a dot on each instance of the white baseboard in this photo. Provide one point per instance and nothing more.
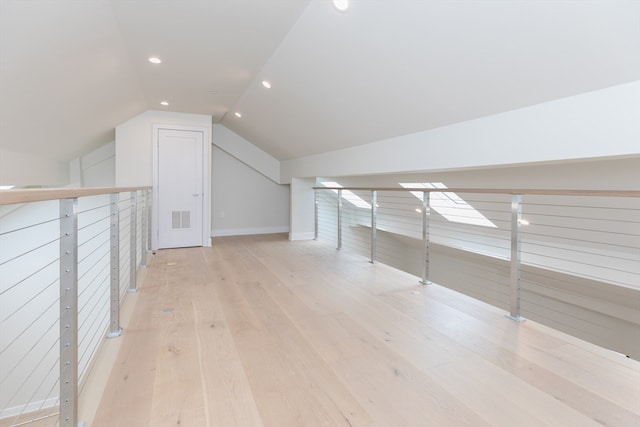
(248, 231)
(310, 235)
(29, 407)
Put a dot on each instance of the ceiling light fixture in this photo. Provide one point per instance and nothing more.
(238, 115)
(341, 5)
(155, 60)
(266, 84)
(165, 103)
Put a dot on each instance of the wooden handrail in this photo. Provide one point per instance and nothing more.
(11, 197)
(512, 191)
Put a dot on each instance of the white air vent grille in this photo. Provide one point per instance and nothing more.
(180, 219)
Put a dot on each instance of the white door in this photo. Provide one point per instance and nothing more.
(180, 188)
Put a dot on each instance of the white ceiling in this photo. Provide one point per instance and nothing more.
(70, 71)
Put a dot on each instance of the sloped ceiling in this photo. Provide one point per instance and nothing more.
(70, 71)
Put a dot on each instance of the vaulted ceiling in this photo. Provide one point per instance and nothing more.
(71, 71)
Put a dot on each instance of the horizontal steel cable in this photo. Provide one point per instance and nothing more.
(95, 208)
(56, 280)
(44, 356)
(101, 271)
(29, 276)
(4, 233)
(57, 239)
(28, 326)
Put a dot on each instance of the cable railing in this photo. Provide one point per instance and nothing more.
(567, 259)
(67, 259)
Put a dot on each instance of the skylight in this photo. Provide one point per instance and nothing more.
(450, 205)
(349, 196)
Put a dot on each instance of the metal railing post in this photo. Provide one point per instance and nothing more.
(148, 211)
(143, 230)
(426, 213)
(133, 242)
(339, 219)
(374, 218)
(114, 322)
(68, 312)
(315, 219)
(514, 291)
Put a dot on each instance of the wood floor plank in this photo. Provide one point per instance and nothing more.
(398, 332)
(308, 392)
(430, 389)
(389, 386)
(229, 395)
(259, 331)
(528, 351)
(134, 368)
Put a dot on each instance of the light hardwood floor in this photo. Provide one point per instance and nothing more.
(260, 331)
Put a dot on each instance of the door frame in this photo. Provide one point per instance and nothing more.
(206, 181)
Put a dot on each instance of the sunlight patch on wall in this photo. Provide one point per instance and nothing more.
(349, 196)
(450, 205)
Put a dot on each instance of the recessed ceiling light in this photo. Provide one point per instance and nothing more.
(165, 103)
(266, 84)
(155, 60)
(341, 5)
(238, 115)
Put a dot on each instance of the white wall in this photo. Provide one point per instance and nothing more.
(248, 153)
(604, 174)
(96, 169)
(134, 144)
(592, 125)
(245, 201)
(597, 125)
(302, 209)
(22, 170)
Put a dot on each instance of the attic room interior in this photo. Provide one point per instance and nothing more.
(319, 213)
